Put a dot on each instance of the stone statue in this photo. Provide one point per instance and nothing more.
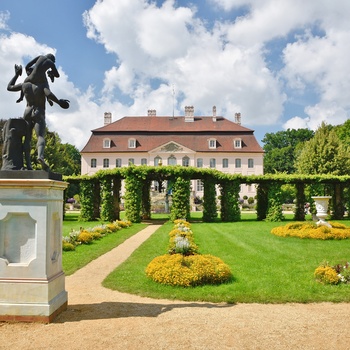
(36, 91)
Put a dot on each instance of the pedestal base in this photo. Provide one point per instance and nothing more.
(32, 283)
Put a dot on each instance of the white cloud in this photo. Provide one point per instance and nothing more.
(170, 45)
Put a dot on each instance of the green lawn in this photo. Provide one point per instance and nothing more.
(83, 254)
(266, 268)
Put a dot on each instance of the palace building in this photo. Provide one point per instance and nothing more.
(200, 141)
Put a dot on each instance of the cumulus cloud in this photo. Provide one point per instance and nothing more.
(169, 45)
(206, 61)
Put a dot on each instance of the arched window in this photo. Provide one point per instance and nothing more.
(250, 163)
(157, 161)
(238, 163)
(212, 163)
(200, 163)
(225, 163)
(93, 163)
(143, 161)
(106, 163)
(172, 160)
(118, 163)
(185, 161)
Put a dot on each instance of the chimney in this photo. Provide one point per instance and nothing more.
(238, 118)
(189, 114)
(151, 112)
(107, 118)
(214, 113)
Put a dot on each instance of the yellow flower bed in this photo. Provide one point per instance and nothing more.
(311, 230)
(186, 271)
(327, 275)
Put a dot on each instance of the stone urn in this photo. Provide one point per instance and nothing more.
(321, 203)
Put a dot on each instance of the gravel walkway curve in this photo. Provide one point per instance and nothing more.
(99, 318)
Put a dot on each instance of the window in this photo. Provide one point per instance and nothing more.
(93, 163)
(250, 163)
(212, 163)
(237, 143)
(131, 161)
(106, 163)
(225, 163)
(132, 143)
(212, 143)
(118, 162)
(200, 163)
(172, 160)
(106, 143)
(185, 161)
(157, 161)
(238, 163)
(200, 185)
(143, 161)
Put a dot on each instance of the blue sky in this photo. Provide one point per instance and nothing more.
(280, 63)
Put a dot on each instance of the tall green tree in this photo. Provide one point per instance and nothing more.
(325, 153)
(280, 149)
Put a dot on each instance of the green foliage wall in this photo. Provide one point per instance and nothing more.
(209, 200)
(229, 201)
(181, 199)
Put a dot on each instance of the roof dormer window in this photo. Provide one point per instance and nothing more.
(237, 143)
(106, 143)
(212, 143)
(132, 143)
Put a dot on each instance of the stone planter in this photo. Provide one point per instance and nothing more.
(322, 209)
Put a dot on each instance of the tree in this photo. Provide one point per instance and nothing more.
(62, 158)
(280, 149)
(324, 154)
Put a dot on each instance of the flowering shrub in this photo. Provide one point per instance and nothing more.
(311, 230)
(186, 271)
(183, 266)
(339, 273)
(87, 236)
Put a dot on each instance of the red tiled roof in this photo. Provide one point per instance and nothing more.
(169, 124)
(153, 132)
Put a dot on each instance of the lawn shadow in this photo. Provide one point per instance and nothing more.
(108, 310)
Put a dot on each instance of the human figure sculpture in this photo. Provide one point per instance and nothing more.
(35, 89)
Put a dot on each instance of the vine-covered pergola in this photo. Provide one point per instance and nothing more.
(100, 193)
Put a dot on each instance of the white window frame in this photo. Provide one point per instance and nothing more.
(212, 163)
(132, 143)
(199, 162)
(225, 163)
(212, 143)
(200, 186)
(238, 161)
(93, 163)
(237, 143)
(118, 163)
(143, 161)
(131, 161)
(250, 163)
(106, 143)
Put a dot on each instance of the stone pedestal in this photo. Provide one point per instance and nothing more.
(32, 283)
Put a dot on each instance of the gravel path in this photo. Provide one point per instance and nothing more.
(99, 318)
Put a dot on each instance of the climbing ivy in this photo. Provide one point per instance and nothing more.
(181, 199)
(209, 200)
(229, 201)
